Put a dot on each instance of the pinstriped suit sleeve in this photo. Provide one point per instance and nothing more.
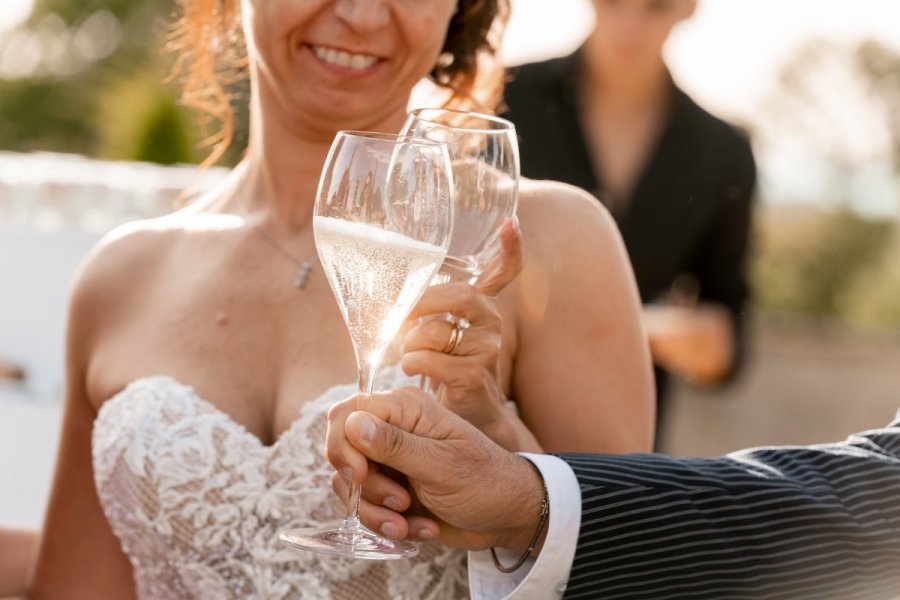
(816, 522)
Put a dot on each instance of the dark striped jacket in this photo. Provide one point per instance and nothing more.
(788, 523)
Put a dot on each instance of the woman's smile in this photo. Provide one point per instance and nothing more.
(357, 62)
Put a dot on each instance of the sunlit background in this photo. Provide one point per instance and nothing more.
(733, 56)
(816, 84)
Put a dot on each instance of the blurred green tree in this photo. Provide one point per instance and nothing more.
(96, 85)
(841, 102)
(811, 261)
(881, 67)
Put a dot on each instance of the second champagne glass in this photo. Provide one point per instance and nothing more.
(484, 153)
(485, 157)
(382, 224)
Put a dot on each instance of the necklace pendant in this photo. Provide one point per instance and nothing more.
(302, 274)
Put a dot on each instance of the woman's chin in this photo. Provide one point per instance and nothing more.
(336, 112)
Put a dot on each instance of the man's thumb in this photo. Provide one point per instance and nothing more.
(382, 442)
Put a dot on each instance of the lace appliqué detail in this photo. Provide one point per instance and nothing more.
(197, 503)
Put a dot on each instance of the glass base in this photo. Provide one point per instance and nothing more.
(354, 543)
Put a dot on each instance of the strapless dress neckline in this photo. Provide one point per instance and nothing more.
(328, 397)
(197, 502)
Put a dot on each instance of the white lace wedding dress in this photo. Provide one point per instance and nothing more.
(197, 503)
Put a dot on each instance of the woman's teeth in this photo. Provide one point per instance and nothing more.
(346, 60)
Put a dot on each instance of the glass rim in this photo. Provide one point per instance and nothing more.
(383, 136)
(505, 124)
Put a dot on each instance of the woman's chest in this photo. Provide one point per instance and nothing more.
(258, 354)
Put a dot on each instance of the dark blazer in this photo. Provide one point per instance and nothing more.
(786, 523)
(689, 214)
(690, 210)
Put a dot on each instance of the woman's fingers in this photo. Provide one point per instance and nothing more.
(473, 326)
(458, 372)
(462, 301)
(443, 336)
(507, 265)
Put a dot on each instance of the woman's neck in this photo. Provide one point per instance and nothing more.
(278, 177)
(626, 90)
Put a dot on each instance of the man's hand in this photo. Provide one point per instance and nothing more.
(475, 494)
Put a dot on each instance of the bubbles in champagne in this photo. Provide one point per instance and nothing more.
(376, 275)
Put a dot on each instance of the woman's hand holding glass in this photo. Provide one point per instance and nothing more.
(469, 375)
(456, 345)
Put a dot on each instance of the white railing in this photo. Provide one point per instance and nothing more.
(53, 208)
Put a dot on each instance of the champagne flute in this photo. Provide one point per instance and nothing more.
(382, 224)
(485, 157)
(484, 153)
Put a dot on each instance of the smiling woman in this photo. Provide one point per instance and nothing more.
(210, 42)
(199, 375)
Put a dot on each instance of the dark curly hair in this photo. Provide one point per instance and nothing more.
(212, 56)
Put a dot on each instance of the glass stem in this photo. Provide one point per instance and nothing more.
(366, 370)
(444, 275)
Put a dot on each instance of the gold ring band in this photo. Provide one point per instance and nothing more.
(457, 329)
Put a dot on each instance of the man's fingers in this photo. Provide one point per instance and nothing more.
(345, 459)
(423, 528)
(378, 489)
(386, 444)
(508, 263)
(377, 518)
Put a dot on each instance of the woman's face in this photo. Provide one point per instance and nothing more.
(342, 64)
(632, 33)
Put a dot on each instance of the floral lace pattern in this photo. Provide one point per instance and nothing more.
(197, 502)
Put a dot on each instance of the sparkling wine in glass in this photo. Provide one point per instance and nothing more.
(382, 223)
(484, 153)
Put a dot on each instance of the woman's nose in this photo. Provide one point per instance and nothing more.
(363, 16)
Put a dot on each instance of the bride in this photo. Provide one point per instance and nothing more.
(205, 347)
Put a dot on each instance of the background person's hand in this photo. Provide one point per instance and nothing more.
(477, 495)
(694, 342)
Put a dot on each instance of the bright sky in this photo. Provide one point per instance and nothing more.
(728, 52)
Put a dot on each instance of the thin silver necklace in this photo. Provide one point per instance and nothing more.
(304, 267)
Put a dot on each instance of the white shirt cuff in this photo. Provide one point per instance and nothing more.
(546, 576)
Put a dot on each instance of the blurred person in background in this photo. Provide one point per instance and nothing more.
(200, 367)
(679, 181)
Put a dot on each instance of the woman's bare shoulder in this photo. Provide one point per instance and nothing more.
(560, 214)
(125, 261)
(126, 251)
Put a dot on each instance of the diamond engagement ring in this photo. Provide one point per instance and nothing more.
(458, 327)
